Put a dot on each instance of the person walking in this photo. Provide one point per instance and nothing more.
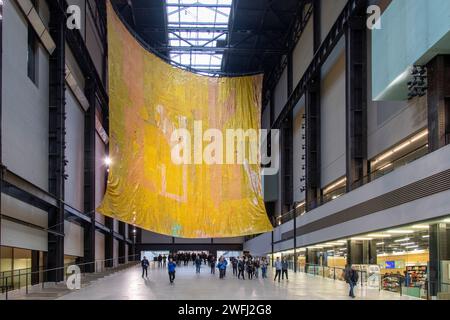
(198, 264)
(164, 260)
(284, 268)
(212, 264)
(278, 268)
(171, 268)
(222, 266)
(145, 263)
(234, 263)
(256, 266)
(241, 268)
(250, 269)
(159, 261)
(351, 277)
(264, 268)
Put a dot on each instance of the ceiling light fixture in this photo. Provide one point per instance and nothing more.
(400, 231)
(402, 240)
(379, 235)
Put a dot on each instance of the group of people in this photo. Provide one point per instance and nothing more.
(171, 266)
(281, 269)
(246, 264)
(183, 258)
(241, 266)
(249, 265)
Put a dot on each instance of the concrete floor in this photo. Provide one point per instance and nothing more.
(188, 285)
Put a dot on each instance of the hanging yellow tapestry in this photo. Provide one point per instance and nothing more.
(152, 104)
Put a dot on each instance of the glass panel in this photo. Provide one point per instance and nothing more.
(187, 21)
(6, 266)
(21, 266)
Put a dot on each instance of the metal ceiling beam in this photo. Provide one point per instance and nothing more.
(198, 23)
(260, 29)
(198, 5)
(190, 38)
(133, 17)
(223, 49)
(211, 29)
(231, 26)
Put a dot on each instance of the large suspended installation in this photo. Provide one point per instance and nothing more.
(177, 166)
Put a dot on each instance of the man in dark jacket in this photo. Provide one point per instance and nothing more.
(212, 264)
(351, 277)
(198, 263)
(234, 263)
(145, 264)
(284, 269)
(241, 268)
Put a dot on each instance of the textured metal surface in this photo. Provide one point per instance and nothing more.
(423, 188)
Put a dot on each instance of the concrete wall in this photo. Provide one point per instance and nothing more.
(24, 105)
(116, 250)
(74, 68)
(259, 246)
(17, 209)
(413, 32)
(94, 43)
(151, 237)
(99, 246)
(303, 52)
(74, 185)
(281, 93)
(236, 240)
(73, 239)
(435, 206)
(389, 122)
(20, 236)
(330, 10)
(333, 141)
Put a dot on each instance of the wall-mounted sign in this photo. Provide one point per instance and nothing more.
(390, 264)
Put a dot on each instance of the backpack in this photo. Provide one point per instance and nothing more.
(355, 276)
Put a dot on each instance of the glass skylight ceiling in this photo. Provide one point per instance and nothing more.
(194, 27)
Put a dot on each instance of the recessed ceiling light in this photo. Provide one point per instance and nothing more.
(380, 243)
(420, 226)
(402, 240)
(362, 239)
(426, 236)
(400, 231)
(379, 235)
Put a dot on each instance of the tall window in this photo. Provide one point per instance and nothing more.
(32, 63)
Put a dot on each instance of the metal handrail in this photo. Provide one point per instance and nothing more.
(7, 283)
